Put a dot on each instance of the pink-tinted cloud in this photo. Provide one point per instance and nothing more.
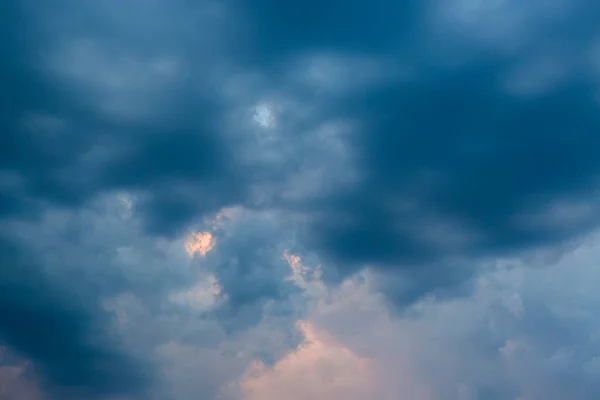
(322, 368)
(15, 386)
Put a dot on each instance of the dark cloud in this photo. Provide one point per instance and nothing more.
(457, 165)
(459, 156)
(65, 340)
(275, 30)
(484, 150)
(60, 149)
(461, 132)
(252, 271)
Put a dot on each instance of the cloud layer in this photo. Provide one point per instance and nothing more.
(414, 186)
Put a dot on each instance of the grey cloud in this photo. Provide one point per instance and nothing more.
(144, 300)
(527, 330)
(251, 270)
(90, 106)
(454, 166)
(466, 156)
(65, 341)
(459, 156)
(72, 133)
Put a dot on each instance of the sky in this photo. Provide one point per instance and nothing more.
(265, 200)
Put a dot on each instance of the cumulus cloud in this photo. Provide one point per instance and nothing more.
(524, 333)
(180, 184)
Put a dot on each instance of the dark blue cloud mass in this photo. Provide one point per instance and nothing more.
(416, 138)
(65, 340)
(458, 155)
(57, 150)
(490, 147)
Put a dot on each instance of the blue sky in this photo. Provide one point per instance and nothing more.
(262, 200)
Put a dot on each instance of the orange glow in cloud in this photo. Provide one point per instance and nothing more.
(302, 275)
(319, 369)
(298, 269)
(201, 242)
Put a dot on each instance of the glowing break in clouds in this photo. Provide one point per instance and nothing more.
(305, 277)
(201, 242)
(299, 270)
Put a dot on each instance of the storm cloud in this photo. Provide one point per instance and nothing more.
(181, 183)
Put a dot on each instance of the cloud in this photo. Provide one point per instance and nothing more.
(452, 162)
(319, 369)
(14, 382)
(61, 339)
(141, 302)
(94, 108)
(201, 243)
(96, 113)
(184, 182)
(524, 332)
